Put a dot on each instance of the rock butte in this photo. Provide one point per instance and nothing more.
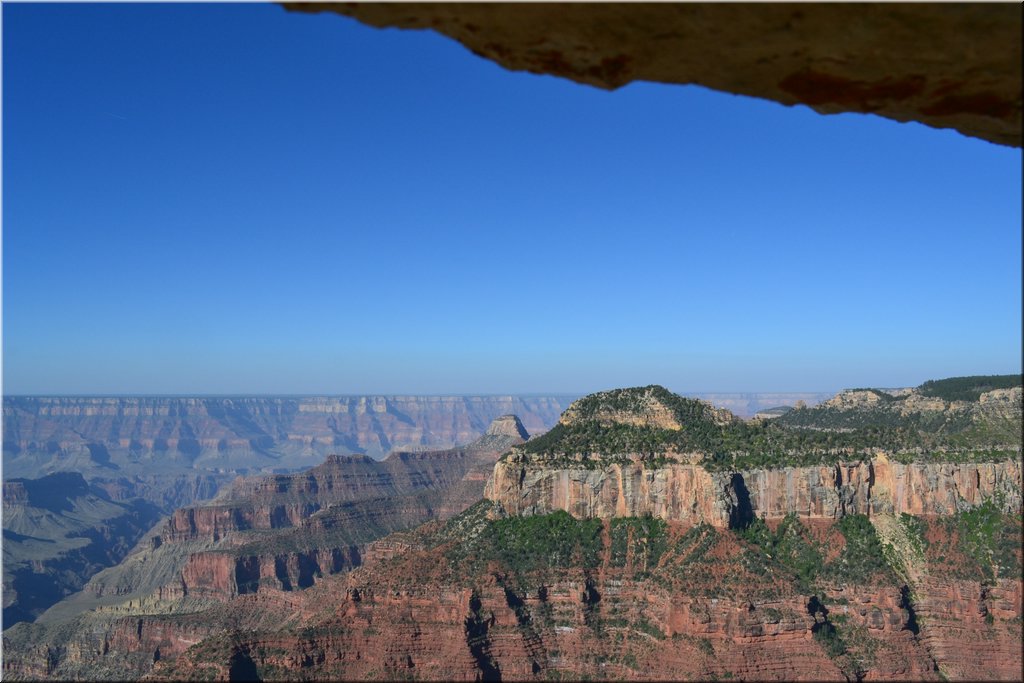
(945, 65)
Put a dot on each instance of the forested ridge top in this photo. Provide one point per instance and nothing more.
(981, 420)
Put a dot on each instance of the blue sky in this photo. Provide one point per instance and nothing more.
(238, 199)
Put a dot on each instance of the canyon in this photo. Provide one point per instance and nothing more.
(58, 531)
(160, 454)
(153, 455)
(289, 530)
(109, 436)
(624, 543)
(120, 439)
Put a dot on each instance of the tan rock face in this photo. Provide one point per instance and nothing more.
(647, 412)
(915, 403)
(677, 492)
(689, 493)
(945, 65)
(1005, 403)
(507, 425)
(853, 399)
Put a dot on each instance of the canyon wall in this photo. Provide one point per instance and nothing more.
(690, 493)
(407, 612)
(128, 435)
(286, 531)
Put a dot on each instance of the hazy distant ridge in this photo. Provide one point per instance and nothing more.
(117, 434)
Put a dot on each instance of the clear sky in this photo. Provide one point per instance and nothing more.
(238, 199)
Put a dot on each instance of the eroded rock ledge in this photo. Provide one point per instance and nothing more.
(945, 65)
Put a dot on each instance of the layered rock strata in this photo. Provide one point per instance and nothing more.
(286, 532)
(785, 573)
(140, 435)
(411, 613)
(692, 494)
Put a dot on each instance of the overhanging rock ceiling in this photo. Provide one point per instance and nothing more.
(946, 65)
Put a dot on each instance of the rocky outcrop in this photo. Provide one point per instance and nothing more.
(690, 493)
(1002, 403)
(646, 451)
(854, 399)
(947, 66)
(647, 411)
(509, 426)
(224, 575)
(998, 403)
(502, 432)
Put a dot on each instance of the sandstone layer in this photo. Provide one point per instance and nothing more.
(692, 494)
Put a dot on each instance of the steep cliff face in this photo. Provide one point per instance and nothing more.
(633, 598)
(645, 451)
(690, 493)
(284, 532)
(679, 492)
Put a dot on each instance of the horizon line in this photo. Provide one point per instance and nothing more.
(391, 394)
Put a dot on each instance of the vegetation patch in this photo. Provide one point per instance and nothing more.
(862, 560)
(968, 388)
(524, 545)
(789, 546)
(792, 553)
(800, 438)
(980, 544)
(639, 540)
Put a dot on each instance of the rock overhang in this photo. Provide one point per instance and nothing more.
(946, 65)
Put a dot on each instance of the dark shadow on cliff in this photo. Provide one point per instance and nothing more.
(242, 668)
(742, 513)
